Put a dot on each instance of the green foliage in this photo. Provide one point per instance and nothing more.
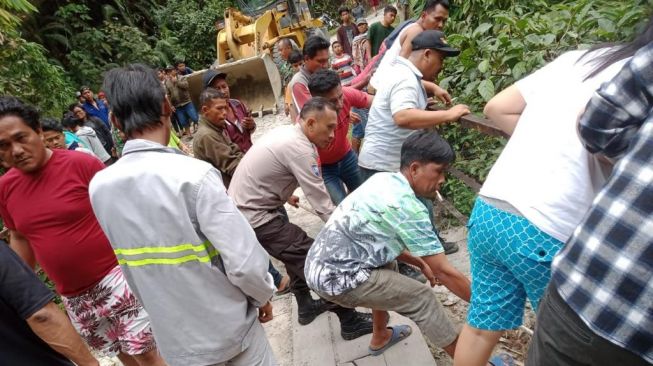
(186, 31)
(95, 49)
(27, 73)
(9, 18)
(504, 40)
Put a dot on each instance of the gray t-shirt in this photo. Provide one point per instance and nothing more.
(401, 90)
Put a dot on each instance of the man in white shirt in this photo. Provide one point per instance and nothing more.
(399, 107)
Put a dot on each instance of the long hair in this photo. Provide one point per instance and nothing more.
(618, 51)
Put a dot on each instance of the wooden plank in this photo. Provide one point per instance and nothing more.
(481, 124)
(469, 181)
(459, 216)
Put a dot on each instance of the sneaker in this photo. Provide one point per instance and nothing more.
(450, 247)
(309, 311)
(410, 271)
(359, 325)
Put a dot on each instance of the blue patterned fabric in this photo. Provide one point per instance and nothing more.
(511, 260)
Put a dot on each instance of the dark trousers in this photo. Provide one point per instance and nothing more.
(288, 243)
(562, 338)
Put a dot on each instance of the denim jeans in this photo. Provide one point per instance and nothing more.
(343, 173)
(358, 131)
(275, 274)
(186, 112)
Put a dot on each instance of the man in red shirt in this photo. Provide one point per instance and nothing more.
(339, 161)
(316, 57)
(44, 202)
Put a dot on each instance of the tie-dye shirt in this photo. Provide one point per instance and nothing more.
(368, 230)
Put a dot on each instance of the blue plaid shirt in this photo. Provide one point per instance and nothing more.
(605, 270)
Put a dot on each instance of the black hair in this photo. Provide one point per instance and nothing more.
(619, 51)
(295, 57)
(389, 9)
(426, 146)
(51, 124)
(12, 106)
(316, 104)
(178, 62)
(335, 42)
(343, 9)
(70, 121)
(430, 5)
(73, 105)
(209, 94)
(313, 45)
(136, 97)
(323, 81)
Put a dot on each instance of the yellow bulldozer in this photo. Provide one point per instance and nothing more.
(246, 49)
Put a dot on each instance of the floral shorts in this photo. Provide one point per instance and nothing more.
(110, 318)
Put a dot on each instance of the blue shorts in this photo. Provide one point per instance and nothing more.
(510, 260)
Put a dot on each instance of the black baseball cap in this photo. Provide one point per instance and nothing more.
(210, 75)
(433, 40)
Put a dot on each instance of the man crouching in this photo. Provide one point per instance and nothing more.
(352, 260)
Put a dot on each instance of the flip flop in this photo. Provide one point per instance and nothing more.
(502, 359)
(399, 333)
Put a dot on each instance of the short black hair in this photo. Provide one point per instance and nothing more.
(343, 9)
(322, 82)
(426, 146)
(316, 104)
(334, 43)
(295, 57)
(389, 9)
(73, 105)
(69, 120)
(51, 124)
(179, 62)
(136, 97)
(430, 5)
(209, 94)
(12, 106)
(313, 45)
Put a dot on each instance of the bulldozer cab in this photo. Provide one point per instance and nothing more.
(246, 49)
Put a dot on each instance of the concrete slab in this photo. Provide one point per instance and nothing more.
(312, 343)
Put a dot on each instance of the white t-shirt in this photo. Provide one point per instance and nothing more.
(389, 58)
(401, 89)
(544, 171)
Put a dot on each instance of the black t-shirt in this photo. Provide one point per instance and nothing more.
(21, 295)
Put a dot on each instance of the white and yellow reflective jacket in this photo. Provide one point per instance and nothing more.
(188, 254)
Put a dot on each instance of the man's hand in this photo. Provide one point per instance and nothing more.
(248, 123)
(442, 94)
(265, 313)
(354, 117)
(458, 111)
(432, 88)
(293, 201)
(428, 273)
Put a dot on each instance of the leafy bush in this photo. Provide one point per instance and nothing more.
(504, 40)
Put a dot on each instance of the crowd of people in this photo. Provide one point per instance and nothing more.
(161, 252)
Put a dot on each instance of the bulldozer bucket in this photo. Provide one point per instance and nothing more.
(254, 80)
